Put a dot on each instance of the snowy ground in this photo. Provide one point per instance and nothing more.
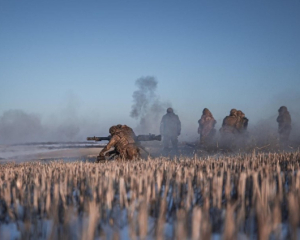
(43, 151)
(85, 151)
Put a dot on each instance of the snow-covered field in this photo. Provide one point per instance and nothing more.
(36, 151)
(250, 196)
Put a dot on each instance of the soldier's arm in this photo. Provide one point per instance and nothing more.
(224, 122)
(202, 120)
(215, 122)
(212, 121)
(178, 126)
(287, 119)
(161, 129)
(199, 128)
(278, 119)
(113, 141)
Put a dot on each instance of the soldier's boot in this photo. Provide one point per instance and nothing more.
(100, 159)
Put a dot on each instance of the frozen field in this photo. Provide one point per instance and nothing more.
(51, 150)
(247, 196)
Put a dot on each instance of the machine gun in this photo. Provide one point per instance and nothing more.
(139, 138)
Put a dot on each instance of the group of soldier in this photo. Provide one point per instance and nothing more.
(234, 129)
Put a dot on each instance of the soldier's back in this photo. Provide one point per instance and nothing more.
(229, 124)
(230, 121)
(170, 124)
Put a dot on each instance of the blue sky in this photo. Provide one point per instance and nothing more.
(214, 54)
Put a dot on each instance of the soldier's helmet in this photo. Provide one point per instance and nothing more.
(282, 109)
(113, 129)
(170, 110)
(206, 112)
(233, 112)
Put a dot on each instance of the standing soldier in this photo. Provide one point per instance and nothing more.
(241, 126)
(229, 123)
(170, 128)
(206, 126)
(228, 129)
(123, 140)
(284, 124)
(242, 122)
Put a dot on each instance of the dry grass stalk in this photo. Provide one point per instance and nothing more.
(86, 201)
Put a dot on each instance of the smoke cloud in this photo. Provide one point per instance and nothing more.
(147, 108)
(18, 126)
(66, 124)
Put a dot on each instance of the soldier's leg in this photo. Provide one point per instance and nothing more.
(202, 139)
(108, 155)
(284, 137)
(174, 141)
(111, 154)
(226, 140)
(211, 135)
(165, 142)
(132, 152)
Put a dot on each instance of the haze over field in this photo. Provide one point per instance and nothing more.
(72, 69)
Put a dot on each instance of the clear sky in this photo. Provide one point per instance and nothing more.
(214, 54)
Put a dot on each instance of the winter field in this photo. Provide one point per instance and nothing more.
(240, 196)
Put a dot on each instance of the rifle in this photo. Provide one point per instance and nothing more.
(139, 138)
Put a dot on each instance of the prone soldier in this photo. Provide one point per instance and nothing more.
(123, 140)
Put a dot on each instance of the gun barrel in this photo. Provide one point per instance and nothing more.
(98, 138)
(150, 137)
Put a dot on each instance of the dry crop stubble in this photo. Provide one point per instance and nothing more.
(250, 196)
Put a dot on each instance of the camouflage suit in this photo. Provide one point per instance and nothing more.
(170, 128)
(241, 127)
(228, 129)
(206, 126)
(229, 123)
(284, 124)
(123, 140)
(242, 122)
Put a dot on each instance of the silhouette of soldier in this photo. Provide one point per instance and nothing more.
(206, 126)
(170, 129)
(242, 122)
(228, 129)
(284, 124)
